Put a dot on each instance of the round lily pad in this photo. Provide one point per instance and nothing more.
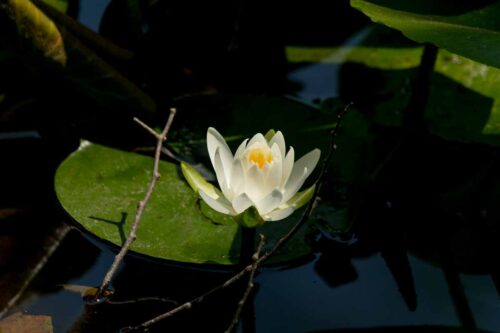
(100, 188)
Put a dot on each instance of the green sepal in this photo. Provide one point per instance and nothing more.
(215, 216)
(301, 198)
(197, 182)
(269, 135)
(250, 218)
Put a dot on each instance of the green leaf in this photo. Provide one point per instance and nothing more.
(35, 26)
(100, 187)
(469, 29)
(464, 101)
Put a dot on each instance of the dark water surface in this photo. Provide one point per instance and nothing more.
(374, 279)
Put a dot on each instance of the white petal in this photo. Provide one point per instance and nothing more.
(221, 174)
(270, 202)
(275, 170)
(254, 184)
(301, 170)
(257, 138)
(237, 182)
(241, 203)
(219, 204)
(287, 167)
(278, 214)
(241, 149)
(280, 141)
(293, 187)
(215, 142)
(300, 198)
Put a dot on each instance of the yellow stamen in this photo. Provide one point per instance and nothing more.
(260, 156)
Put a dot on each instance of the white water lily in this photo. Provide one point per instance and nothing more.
(261, 174)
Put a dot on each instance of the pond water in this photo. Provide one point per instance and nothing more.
(402, 268)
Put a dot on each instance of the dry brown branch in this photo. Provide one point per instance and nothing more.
(56, 240)
(248, 290)
(140, 207)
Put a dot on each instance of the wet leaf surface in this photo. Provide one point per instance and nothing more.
(469, 29)
(109, 183)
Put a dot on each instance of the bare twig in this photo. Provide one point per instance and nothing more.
(315, 198)
(151, 131)
(143, 299)
(59, 235)
(189, 304)
(140, 207)
(250, 286)
(280, 243)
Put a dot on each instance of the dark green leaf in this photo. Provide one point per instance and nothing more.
(469, 29)
(464, 101)
(100, 188)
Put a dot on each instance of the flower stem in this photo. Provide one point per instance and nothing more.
(247, 246)
(246, 309)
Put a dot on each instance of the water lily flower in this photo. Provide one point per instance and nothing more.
(261, 175)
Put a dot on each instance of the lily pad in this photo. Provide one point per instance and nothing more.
(468, 28)
(101, 186)
(464, 101)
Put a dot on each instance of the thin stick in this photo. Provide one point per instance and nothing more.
(281, 242)
(59, 235)
(250, 286)
(141, 206)
(188, 305)
(315, 198)
(143, 299)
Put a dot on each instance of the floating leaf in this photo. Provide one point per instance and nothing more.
(100, 187)
(467, 28)
(464, 100)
